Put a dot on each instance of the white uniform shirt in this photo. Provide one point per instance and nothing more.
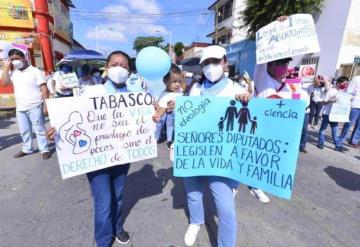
(165, 97)
(354, 90)
(226, 88)
(27, 88)
(330, 96)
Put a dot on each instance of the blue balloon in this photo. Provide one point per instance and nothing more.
(153, 63)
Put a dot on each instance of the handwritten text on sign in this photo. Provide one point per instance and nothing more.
(99, 132)
(340, 110)
(70, 80)
(295, 36)
(255, 144)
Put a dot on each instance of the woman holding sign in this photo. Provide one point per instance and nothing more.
(61, 89)
(107, 184)
(269, 82)
(213, 63)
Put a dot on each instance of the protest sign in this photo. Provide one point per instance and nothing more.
(340, 110)
(70, 80)
(294, 36)
(255, 144)
(98, 132)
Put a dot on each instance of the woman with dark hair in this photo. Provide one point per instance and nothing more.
(86, 78)
(107, 184)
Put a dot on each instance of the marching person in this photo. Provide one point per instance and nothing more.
(30, 91)
(269, 82)
(330, 98)
(213, 63)
(354, 90)
(62, 90)
(87, 79)
(107, 185)
(318, 91)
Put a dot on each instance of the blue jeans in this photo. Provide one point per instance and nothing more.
(315, 109)
(304, 132)
(354, 121)
(221, 189)
(29, 121)
(334, 131)
(107, 188)
(169, 119)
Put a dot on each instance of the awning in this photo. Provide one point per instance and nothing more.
(191, 65)
(84, 55)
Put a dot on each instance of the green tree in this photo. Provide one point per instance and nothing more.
(178, 49)
(259, 13)
(142, 42)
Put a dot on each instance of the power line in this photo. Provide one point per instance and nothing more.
(154, 23)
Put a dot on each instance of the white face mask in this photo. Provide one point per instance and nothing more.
(17, 64)
(96, 74)
(213, 72)
(226, 74)
(118, 74)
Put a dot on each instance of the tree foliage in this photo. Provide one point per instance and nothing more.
(142, 42)
(178, 49)
(259, 13)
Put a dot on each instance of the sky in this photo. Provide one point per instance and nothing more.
(117, 23)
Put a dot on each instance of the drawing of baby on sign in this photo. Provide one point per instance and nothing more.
(72, 133)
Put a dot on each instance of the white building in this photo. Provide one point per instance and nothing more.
(338, 28)
(227, 21)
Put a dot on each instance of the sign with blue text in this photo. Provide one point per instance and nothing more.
(98, 132)
(256, 144)
(292, 37)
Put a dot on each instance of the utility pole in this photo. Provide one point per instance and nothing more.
(42, 17)
(97, 38)
(170, 49)
(216, 23)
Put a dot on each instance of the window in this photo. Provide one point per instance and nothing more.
(310, 60)
(225, 11)
(18, 12)
(228, 9)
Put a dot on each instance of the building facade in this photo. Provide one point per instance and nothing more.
(228, 33)
(194, 50)
(41, 28)
(338, 29)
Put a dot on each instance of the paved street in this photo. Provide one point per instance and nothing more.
(38, 208)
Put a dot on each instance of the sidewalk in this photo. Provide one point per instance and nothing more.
(38, 208)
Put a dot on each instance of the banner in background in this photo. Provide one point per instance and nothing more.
(16, 13)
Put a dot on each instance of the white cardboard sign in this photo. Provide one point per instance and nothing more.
(98, 132)
(294, 36)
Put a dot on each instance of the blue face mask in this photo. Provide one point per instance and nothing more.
(66, 69)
